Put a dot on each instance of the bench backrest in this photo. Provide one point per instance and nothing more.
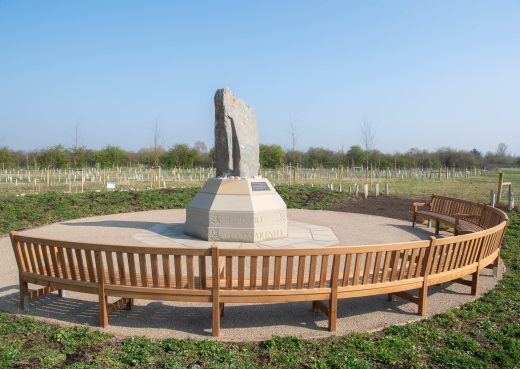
(452, 253)
(450, 206)
(152, 267)
(320, 269)
(492, 217)
(480, 214)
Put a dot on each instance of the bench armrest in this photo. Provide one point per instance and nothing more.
(417, 205)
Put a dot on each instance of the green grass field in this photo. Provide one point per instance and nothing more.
(481, 334)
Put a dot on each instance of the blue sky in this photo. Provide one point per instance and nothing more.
(425, 74)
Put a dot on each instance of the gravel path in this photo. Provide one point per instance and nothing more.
(241, 321)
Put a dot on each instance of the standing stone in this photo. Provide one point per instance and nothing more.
(238, 206)
(236, 138)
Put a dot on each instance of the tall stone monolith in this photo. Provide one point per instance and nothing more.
(236, 137)
(238, 205)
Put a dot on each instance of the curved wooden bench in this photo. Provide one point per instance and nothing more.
(221, 275)
(463, 215)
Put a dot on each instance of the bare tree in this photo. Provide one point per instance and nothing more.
(502, 149)
(201, 147)
(156, 141)
(367, 138)
(77, 136)
(295, 135)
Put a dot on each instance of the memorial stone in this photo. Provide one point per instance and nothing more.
(238, 205)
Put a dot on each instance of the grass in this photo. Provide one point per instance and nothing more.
(473, 188)
(481, 334)
(21, 212)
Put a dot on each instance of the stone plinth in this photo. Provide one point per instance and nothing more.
(237, 210)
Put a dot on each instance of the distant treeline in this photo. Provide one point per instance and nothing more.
(271, 156)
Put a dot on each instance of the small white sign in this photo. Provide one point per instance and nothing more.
(111, 185)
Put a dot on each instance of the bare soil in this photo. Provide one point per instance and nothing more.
(385, 206)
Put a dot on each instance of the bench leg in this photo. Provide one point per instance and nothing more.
(315, 306)
(437, 226)
(215, 329)
(62, 294)
(423, 298)
(103, 313)
(221, 309)
(333, 312)
(414, 220)
(390, 297)
(24, 298)
(495, 268)
(130, 304)
(474, 283)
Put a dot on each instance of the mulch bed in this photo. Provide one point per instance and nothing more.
(385, 206)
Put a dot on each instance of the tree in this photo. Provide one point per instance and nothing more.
(354, 155)
(320, 157)
(367, 138)
(54, 157)
(271, 156)
(295, 135)
(156, 146)
(201, 147)
(181, 155)
(110, 156)
(5, 157)
(81, 156)
(295, 157)
(149, 156)
(501, 150)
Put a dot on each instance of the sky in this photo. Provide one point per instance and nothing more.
(424, 74)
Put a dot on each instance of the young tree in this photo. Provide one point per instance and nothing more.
(156, 144)
(295, 135)
(367, 138)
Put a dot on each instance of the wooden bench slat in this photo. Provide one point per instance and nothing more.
(289, 273)
(121, 267)
(241, 272)
(252, 272)
(346, 270)
(277, 272)
(265, 272)
(143, 269)
(132, 271)
(323, 270)
(110, 266)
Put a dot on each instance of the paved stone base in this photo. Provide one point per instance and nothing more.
(237, 210)
(300, 235)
